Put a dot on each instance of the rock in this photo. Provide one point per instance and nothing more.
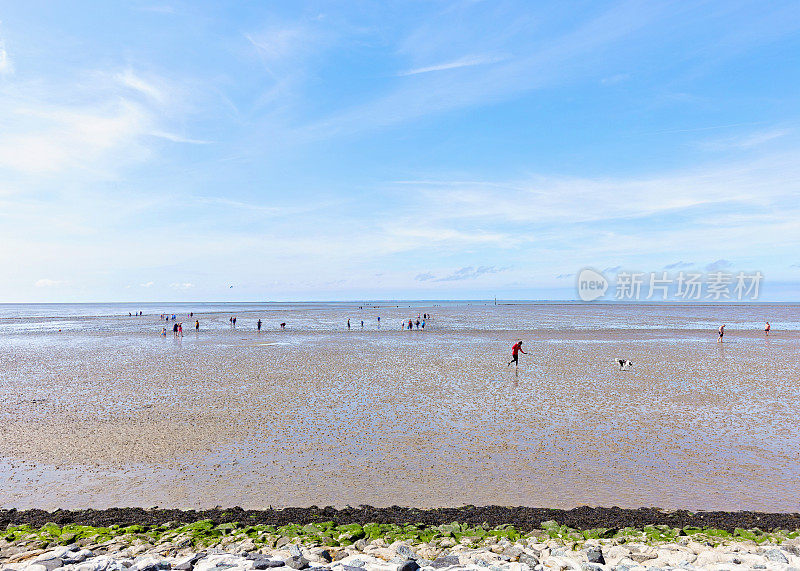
(559, 563)
(261, 564)
(51, 564)
(35, 567)
(282, 541)
(527, 557)
(642, 557)
(353, 568)
(361, 544)
(100, 563)
(512, 551)
(409, 565)
(404, 550)
(25, 555)
(383, 553)
(297, 562)
(595, 555)
(445, 561)
(71, 557)
(775, 555)
(617, 552)
(187, 563)
(428, 552)
(319, 555)
(150, 563)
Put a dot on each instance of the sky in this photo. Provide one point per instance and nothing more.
(175, 151)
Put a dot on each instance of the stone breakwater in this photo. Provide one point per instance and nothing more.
(204, 546)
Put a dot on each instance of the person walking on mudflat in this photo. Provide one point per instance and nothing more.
(516, 349)
(720, 332)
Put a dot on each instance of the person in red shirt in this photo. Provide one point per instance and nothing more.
(515, 351)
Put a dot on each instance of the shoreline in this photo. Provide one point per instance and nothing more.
(206, 545)
(524, 519)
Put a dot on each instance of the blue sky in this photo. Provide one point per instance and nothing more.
(422, 149)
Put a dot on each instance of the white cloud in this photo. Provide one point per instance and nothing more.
(147, 284)
(49, 138)
(182, 286)
(5, 62)
(48, 283)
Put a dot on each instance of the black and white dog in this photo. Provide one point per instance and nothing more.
(624, 364)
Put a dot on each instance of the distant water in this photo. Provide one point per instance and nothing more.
(451, 315)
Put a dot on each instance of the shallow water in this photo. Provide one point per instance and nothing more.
(107, 412)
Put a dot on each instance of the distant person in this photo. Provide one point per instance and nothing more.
(423, 324)
(258, 324)
(516, 349)
(379, 321)
(197, 325)
(362, 324)
(163, 331)
(720, 333)
(767, 328)
(180, 329)
(417, 322)
(234, 322)
(410, 325)
(283, 325)
(175, 329)
(348, 324)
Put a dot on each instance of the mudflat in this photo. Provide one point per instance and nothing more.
(108, 413)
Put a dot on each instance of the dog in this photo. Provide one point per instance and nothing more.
(624, 364)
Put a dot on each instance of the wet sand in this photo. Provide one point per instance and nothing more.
(436, 418)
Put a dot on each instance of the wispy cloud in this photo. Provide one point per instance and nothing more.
(471, 273)
(181, 286)
(746, 141)
(468, 61)
(5, 62)
(130, 79)
(158, 9)
(719, 265)
(48, 283)
(614, 79)
(147, 284)
(98, 124)
(679, 265)
(178, 139)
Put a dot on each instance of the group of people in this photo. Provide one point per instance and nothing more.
(362, 322)
(418, 323)
(721, 331)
